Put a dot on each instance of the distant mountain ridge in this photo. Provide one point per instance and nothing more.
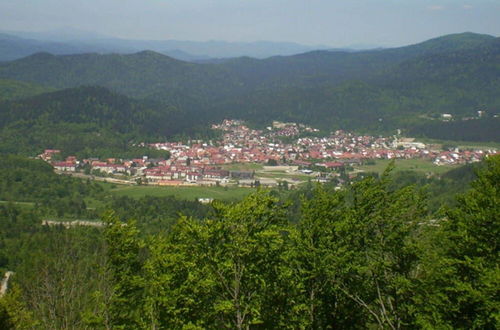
(159, 73)
(12, 47)
(15, 45)
(377, 89)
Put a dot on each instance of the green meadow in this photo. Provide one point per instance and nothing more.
(187, 193)
(419, 165)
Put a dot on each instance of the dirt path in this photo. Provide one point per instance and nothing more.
(5, 283)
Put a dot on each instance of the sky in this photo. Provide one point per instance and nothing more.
(335, 23)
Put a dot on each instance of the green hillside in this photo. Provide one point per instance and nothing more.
(144, 74)
(451, 81)
(377, 90)
(11, 89)
(82, 120)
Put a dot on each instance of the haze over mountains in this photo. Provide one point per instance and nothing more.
(376, 90)
(15, 45)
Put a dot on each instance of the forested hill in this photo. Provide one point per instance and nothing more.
(83, 118)
(143, 74)
(335, 67)
(12, 89)
(472, 72)
(146, 73)
(375, 90)
(83, 105)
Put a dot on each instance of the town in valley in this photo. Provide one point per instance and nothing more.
(284, 153)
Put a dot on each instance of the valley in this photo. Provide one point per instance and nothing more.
(285, 153)
(308, 189)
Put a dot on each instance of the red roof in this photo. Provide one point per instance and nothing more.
(333, 164)
(63, 164)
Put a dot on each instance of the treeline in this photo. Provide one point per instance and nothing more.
(156, 214)
(368, 256)
(34, 184)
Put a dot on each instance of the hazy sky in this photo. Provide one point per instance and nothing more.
(329, 22)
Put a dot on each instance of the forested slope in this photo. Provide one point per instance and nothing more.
(12, 89)
(375, 90)
(84, 119)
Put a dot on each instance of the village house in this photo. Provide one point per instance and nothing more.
(64, 166)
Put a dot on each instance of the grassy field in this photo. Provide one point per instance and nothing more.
(419, 165)
(462, 144)
(188, 193)
(283, 175)
(243, 167)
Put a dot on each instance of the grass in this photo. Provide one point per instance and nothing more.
(419, 165)
(462, 144)
(93, 203)
(243, 167)
(283, 175)
(187, 193)
(24, 205)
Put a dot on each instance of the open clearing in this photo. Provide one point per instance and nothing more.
(242, 167)
(419, 165)
(462, 144)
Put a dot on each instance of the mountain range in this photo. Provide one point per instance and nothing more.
(376, 90)
(15, 45)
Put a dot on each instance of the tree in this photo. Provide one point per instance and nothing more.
(464, 278)
(14, 313)
(272, 162)
(222, 272)
(227, 268)
(376, 256)
(58, 274)
(312, 259)
(241, 250)
(126, 265)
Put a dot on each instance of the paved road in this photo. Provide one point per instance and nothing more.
(5, 283)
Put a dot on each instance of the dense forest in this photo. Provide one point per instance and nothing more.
(376, 90)
(12, 89)
(89, 122)
(375, 254)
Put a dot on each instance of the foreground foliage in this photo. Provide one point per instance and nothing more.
(368, 256)
(358, 258)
